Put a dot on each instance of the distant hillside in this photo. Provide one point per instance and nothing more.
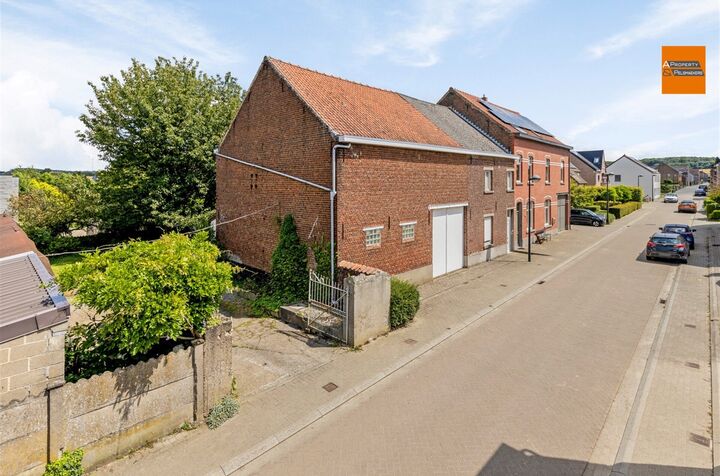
(694, 162)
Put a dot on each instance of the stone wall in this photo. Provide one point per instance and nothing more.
(9, 187)
(113, 413)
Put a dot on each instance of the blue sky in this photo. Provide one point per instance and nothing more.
(587, 71)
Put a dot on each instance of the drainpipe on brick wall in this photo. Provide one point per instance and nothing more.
(333, 192)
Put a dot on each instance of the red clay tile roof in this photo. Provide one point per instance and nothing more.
(13, 241)
(512, 128)
(358, 268)
(350, 108)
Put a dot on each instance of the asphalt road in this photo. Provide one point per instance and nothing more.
(530, 389)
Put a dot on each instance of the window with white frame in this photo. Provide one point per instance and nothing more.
(548, 212)
(518, 171)
(372, 236)
(488, 181)
(487, 231)
(510, 180)
(562, 172)
(407, 231)
(531, 167)
(547, 170)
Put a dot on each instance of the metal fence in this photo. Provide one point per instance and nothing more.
(331, 307)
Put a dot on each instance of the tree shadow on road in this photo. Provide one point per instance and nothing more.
(510, 461)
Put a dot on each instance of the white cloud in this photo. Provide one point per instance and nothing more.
(665, 16)
(415, 38)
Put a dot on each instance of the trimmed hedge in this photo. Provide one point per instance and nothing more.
(625, 209)
(715, 215)
(592, 208)
(710, 207)
(404, 302)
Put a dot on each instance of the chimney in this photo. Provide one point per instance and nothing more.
(484, 98)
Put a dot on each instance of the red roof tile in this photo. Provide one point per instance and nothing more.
(350, 108)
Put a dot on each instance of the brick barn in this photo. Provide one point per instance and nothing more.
(420, 191)
(540, 154)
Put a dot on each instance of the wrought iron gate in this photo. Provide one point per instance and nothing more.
(328, 311)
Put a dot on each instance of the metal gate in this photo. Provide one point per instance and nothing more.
(328, 310)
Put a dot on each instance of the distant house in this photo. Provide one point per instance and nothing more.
(9, 187)
(629, 171)
(575, 176)
(398, 184)
(669, 173)
(687, 177)
(590, 163)
(715, 173)
(33, 317)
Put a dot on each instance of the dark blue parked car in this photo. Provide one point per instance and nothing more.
(667, 246)
(683, 230)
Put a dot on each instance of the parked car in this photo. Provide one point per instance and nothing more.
(700, 192)
(670, 198)
(687, 206)
(667, 245)
(703, 186)
(581, 216)
(681, 229)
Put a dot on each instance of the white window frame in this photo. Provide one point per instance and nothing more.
(371, 229)
(518, 172)
(404, 226)
(488, 243)
(548, 211)
(510, 180)
(548, 172)
(488, 185)
(562, 172)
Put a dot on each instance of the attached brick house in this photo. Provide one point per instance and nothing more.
(590, 164)
(419, 190)
(668, 173)
(540, 154)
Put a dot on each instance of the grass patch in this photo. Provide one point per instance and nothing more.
(60, 262)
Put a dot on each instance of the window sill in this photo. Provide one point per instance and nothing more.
(488, 192)
(372, 247)
(409, 240)
(547, 182)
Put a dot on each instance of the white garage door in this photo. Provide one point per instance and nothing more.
(447, 240)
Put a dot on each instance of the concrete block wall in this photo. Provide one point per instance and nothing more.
(9, 187)
(32, 363)
(116, 412)
(368, 307)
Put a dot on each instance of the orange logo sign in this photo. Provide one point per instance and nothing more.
(683, 70)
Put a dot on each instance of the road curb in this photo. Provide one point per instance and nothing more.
(714, 272)
(239, 461)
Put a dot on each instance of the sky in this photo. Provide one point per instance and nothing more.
(589, 72)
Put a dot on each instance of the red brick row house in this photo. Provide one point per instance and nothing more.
(540, 154)
(395, 183)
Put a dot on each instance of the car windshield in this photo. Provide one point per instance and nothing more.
(675, 229)
(687, 202)
(664, 240)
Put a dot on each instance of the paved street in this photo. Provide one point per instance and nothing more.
(527, 390)
(586, 361)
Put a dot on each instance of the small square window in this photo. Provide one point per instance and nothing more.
(488, 181)
(372, 237)
(407, 231)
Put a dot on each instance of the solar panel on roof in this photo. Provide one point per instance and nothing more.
(516, 120)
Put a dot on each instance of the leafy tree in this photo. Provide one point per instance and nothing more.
(145, 292)
(156, 127)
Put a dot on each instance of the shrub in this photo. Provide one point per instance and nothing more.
(150, 291)
(404, 302)
(710, 207)
(68, 464)
(624, 209)
(288, 273)
(592, 208)
(715, 215)
(222, 412)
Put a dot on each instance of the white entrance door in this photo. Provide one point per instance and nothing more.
(509, 231)
(447, 254)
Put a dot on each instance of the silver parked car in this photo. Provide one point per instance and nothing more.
(670, 198)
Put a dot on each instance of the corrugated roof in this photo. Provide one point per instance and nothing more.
(28, 299)
(455, 126)
(354, 109)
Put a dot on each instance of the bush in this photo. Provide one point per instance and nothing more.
(147, 292)
(624, 209)
(68, 464)
(404, 302)
(715, 215)
(222, 412)
(710, 207)
(592, 208)
(288, 273)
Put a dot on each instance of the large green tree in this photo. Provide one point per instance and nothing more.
(156, 127)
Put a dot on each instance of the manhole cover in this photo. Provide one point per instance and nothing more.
(691, 326)
(503, 285)
(410, 341)
(692, 365)
(663, 301)
(329, 387)
(541, 282)
(699, 439)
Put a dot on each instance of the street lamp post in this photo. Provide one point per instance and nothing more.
(639, 176)
(531, 181)
(607, 196)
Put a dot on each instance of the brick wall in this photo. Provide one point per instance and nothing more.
(380, 186)
(275, 129)
(586, 172)
(29, 364)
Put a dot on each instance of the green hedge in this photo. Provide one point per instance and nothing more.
(710, 207)
(715, 215)
(625, 209)
(404, 302)
(592, 208)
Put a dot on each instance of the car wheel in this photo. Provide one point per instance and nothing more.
(692, 247)
(684, 261)
(595, 223)
(649, 258)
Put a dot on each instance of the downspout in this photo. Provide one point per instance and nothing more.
(333, 192)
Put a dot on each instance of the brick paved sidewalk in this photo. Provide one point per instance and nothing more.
(448, 305)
